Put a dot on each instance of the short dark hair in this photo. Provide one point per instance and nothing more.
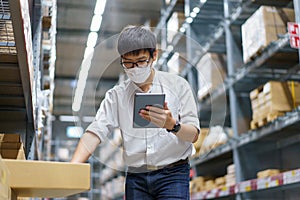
(134, 39)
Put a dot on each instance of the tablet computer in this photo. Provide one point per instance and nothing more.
(141, 100)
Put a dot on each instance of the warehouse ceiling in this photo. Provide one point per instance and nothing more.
(73, 24)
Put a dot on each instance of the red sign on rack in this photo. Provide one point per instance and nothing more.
(294, 33)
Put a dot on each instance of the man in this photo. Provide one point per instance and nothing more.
(157, 158)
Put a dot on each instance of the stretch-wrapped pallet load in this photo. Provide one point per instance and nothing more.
(216, 137)
(264, 27)
(273, 100)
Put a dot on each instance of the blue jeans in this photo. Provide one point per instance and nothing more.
(163, 184)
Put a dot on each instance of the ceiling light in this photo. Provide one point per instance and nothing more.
(99, 7)
(96, 23)
(68, 118)
(79, 91)
(92, 39)
(189, 20)
(196, 10)
(202, 1)
(193, 15)
(88, 52)
(88, 119)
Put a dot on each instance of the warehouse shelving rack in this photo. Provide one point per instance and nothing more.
(275, 143)
(26, 104)
(222, 35)
(17, 102)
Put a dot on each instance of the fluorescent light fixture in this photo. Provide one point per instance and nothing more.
(189, 20)
(79, 91)
(88, 119)
(202, 1)
(196, 10)
(68, 118)
(193, 15)
(92, 39)
(99, 7)
(88, 52)
(74, 131)
(96, 23)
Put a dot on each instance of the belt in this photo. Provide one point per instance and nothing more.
(145, 168)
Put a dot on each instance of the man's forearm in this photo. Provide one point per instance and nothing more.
(188, 133)
(85, 148)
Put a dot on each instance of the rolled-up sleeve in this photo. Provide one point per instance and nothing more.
(188, 112)
(106, 118)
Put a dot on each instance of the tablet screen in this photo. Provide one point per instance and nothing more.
(141, 100)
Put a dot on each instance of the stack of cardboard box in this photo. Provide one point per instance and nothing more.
(273, 100)
(197, 184)
(220, 182)
(264, 27)
(230, 177)
(11, 147)
(211, 73)
(268, 173)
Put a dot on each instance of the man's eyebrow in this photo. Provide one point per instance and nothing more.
(140, 58)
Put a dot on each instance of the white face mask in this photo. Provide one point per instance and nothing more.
(139, 74)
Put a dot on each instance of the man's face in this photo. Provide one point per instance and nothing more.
(137, 60)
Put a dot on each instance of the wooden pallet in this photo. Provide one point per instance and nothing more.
(256, 123)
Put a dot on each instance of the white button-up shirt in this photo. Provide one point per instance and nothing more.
(151, 146)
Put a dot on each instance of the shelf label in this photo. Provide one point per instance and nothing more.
(294, 30)
(291, 177)
(263, 183)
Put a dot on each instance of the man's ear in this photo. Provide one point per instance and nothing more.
(155, 54)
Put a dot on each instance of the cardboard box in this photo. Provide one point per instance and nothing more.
(18, 154)
(220, 181)
(47, 179)
(278, 97)
(268, 173)
(264, 27)
(295, 92)
(231, 169)
(211, 73)
(10, 137)
(11, 145)
(4, 181)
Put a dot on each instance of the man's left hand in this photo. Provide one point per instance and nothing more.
(161, 117)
